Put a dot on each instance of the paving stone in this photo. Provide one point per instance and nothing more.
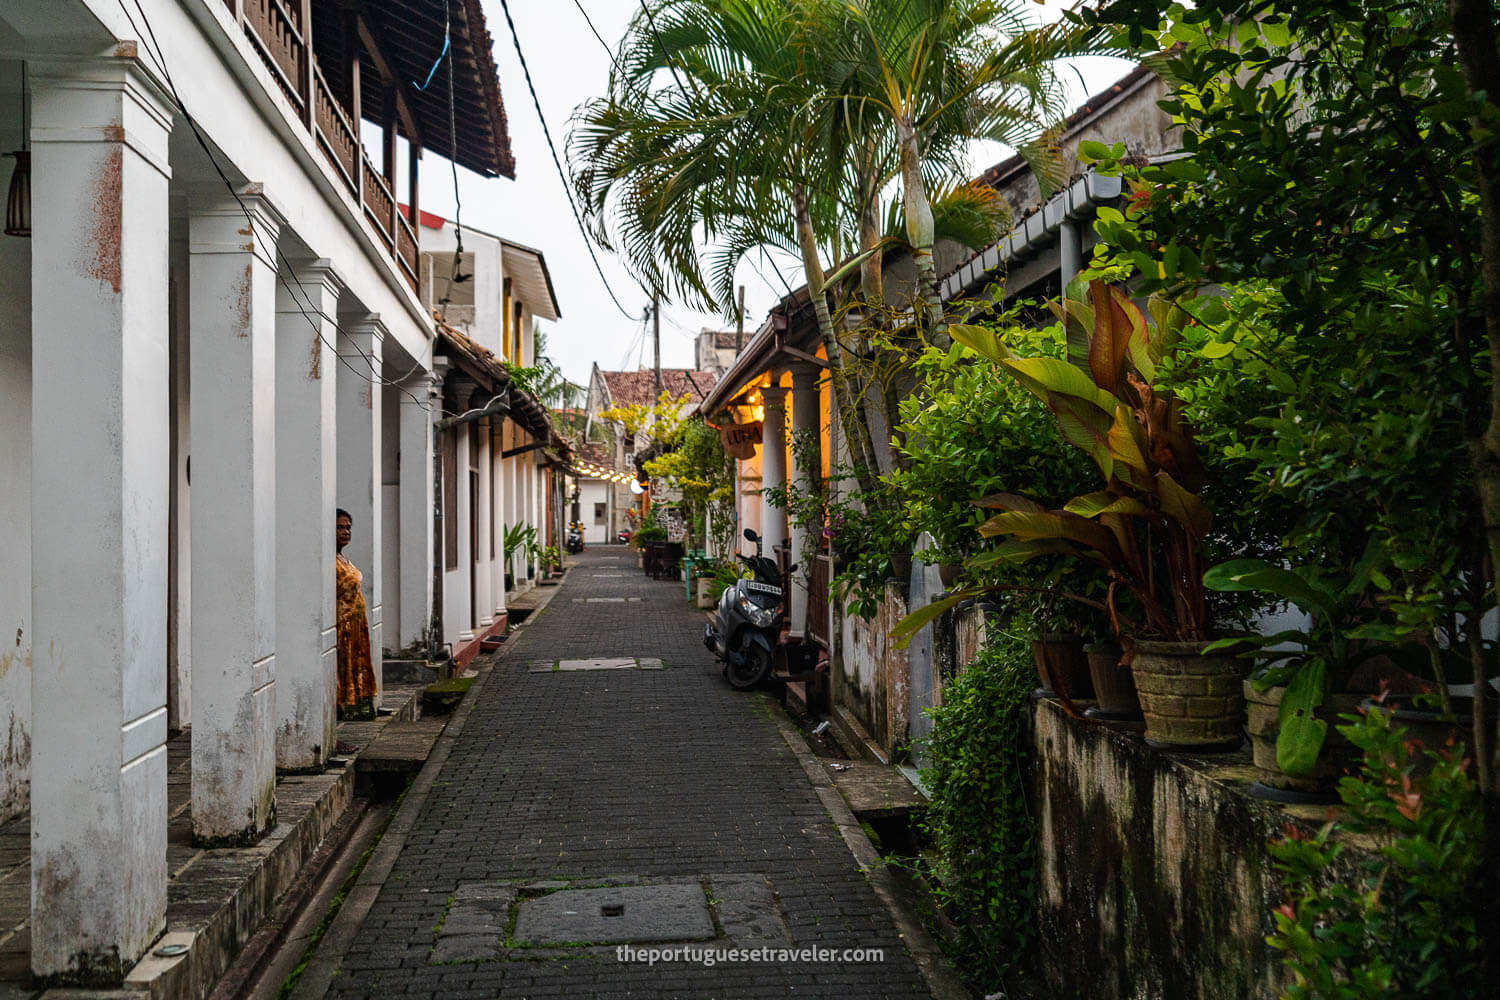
(572, 778)
(616, 915)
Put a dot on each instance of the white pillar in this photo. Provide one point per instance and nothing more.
(772, 465)
(498, 501)
(418, 411)
(483, 563)
(99, 496)
(464, 388)
(807, 470)
(232, 381)
(359, 426)
(528, 473)
(307, 371)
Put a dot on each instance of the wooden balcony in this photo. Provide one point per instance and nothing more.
(281, 31)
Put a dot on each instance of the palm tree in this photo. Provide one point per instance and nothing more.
(716, 131)
(946, 70)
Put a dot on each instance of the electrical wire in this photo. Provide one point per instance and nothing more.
(608, 51)
(154, 50)
(455, 276)
(557, 162)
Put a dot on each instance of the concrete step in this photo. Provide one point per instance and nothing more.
(874, 791)
(395, 756)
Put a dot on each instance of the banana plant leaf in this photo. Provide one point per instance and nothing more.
(1301, 733)
(1259, 575)
(907, 628)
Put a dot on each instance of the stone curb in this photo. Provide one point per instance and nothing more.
(941, 980)
(340, 936)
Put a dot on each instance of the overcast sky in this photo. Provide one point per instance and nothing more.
(569, 66)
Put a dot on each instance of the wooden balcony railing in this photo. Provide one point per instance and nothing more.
(277, 31)
(335, 133)
(280, 31)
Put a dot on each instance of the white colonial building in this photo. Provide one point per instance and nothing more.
(211, 335)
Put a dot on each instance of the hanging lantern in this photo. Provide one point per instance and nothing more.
(18, 202)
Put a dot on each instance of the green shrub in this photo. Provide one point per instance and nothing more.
(1403, 925)
(978, 818)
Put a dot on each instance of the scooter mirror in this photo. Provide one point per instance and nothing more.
(751, 536)
(792, 568)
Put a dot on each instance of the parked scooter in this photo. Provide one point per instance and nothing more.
(747, 626)
(575, 538)
(624, 536)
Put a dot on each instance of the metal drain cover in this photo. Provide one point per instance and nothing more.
(615, 916)
(598, 663)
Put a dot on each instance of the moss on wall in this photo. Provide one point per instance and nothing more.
(1154, 879)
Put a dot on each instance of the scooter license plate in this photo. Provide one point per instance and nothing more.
(763, 588)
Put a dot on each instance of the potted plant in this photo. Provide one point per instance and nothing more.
(1146, 529)
(1308, 677)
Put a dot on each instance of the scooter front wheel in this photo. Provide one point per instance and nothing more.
(750, 671)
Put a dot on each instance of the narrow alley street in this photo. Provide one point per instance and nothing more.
(649, 792)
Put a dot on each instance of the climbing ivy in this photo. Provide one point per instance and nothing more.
(977, 817)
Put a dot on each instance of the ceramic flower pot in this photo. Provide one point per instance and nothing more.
(1337, 758)
(1191, 700)
(1062, 667)
(1114, 685)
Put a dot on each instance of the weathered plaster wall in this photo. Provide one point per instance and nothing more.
(1133, 119)
(874, 681)
(15, 493)
(15, 514)
(590, 492)
(1154, 876)
(390, 517)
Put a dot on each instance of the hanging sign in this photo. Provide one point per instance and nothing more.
(740, 439)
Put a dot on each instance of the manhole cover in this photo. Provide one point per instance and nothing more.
(615, 915)
(597, 663)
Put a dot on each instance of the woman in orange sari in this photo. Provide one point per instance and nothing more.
(356, 674)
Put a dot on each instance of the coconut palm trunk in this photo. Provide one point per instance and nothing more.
(845, 403)
(919, 231)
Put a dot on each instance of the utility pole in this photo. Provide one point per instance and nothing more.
(656, 337)
(739, 325)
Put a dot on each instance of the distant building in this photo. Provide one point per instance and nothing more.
(612, 389)
(715, 350)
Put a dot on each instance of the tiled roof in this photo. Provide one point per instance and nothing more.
(638, 388)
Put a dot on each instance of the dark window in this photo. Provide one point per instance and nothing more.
(599, 510)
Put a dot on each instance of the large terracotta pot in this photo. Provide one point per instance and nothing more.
(1114, 686)
(1337, 758)
(1191, 701)
(1062, 667)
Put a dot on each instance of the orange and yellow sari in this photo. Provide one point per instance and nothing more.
(356, 674)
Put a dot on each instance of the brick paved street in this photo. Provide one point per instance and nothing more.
(602, 777)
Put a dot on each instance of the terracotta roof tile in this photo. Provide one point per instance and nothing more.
(638, 388)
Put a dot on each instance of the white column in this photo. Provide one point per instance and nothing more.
(772, 465)
(498, 501)
(483, 568)
(99, 496)
(528, 505)
(464, 387)
(807, 470)
(358, 445)
(232, 381)
(307, 372)
(418, 411)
